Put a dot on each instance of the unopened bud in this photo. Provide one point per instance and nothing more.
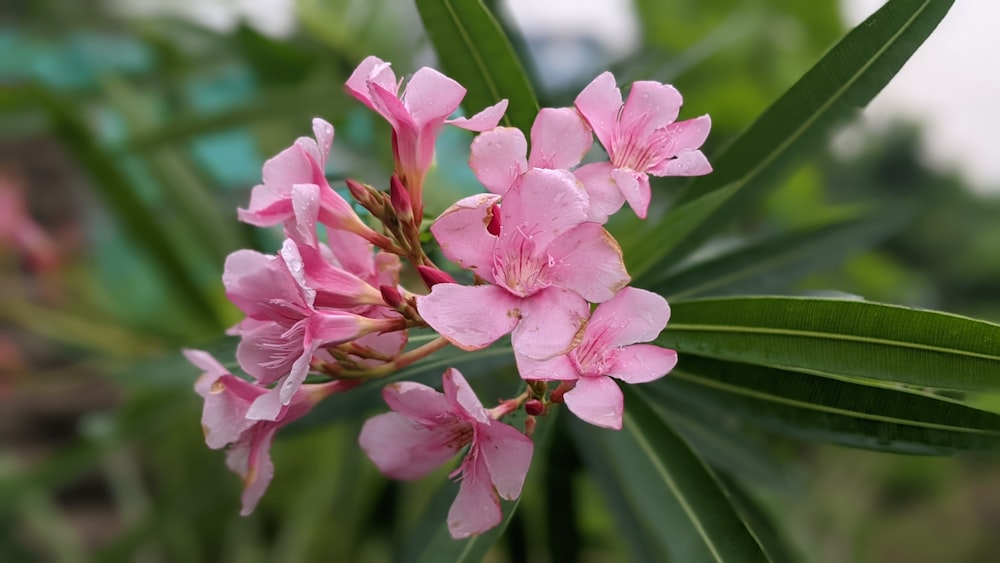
(529, 426)
(433, 276)
(400, 198)
(392, 296)
(564, 387)
(367, 196)
(534, 407)
(494, 225)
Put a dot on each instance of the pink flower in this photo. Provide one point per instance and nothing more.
(559, 139)
(608, 349)
(543, 262)
(428, 428)
(284, 328)
(416, 115)
(641, 138)
(303, 164)
(227, 400)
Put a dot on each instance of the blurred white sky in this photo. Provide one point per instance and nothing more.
(951, 85)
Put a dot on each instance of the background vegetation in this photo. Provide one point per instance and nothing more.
(132, 141)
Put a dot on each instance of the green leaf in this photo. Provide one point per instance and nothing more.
(431, 542)
(797, 124)
(673, 493)
(760, 523)
(842, 338)
(821, 409)
(774, 264)
(474, 51)
(645, 242)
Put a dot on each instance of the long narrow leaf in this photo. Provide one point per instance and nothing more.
(673, 491)
(815, 408)
(776, 263)
(474, 51)
(841, 337)
(799, 122)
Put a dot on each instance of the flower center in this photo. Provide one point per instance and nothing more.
(517, 266)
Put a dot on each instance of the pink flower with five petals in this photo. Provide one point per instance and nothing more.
(227, 400)
(641, 138)
(428, 428)
(543, 263)
(608, 350)
(416, 115)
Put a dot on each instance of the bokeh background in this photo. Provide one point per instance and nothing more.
(130, 130)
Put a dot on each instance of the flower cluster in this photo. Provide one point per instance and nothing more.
(544, 270)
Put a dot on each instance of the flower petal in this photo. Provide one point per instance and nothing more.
(597, 400)
(588, 261)
(635, 187)
(559, 139)
(416, 401)
(402, 448)
(461, 397)
(497, 158)
(541, 206)
(261, 286)
(605, 197)
(223, 417)
(430, 97)
(633, 315)
(372, 68)
(251, 459)
(688, 163)
(470, 317)
(640, 363)
(507, 453)
(461, 233)
(650, 106)
(324, 138)
(265, 351)
(599, 104)
(557, 368)
(550, 322)
(485, 120)
(476, 508)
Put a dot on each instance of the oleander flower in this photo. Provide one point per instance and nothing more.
(427, 428)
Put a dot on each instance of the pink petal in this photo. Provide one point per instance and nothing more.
(402, 448)
(497, 158)
(650, 106)
(267, 407)
(559, 139)
(476, 508)
(550, 321)
(470, 317)
(640, 363)
(461, 397)
(417, 401)
(461, 233)
(688, 163)
(305, 207)
(599, 104)
(252, 460)
(635, 187)
(482, 121)
(597, 400)
(507, 453)
(353, 253)
(389, 106)
(223, 417)
(605, 197)
(324, 138)
(369, 69)
(431, 97)
(264, 351)
(558, 368)
(634, 315)
(261, 286)
(267, 207)
(289, 167)
(541, 206)
(211, 368)
(588, 261)
(690, 134)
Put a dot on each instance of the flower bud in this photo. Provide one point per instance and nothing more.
(392, 296)
(534, 407)
(494, 225)
(400, 198)
(433, 276)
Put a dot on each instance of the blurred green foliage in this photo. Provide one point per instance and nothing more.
(169, 124)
